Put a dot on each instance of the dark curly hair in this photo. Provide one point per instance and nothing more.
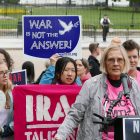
(8, 59)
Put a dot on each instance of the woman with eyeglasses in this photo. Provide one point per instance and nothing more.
(6, 103)
(103, 96)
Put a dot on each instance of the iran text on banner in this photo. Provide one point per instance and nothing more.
(47, 35)
(40, 109)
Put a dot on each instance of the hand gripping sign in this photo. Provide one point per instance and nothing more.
(47, 35)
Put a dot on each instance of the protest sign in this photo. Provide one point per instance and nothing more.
(40, 109)
(47, 35)
(18, 77)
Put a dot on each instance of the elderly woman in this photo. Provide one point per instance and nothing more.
(102, 95)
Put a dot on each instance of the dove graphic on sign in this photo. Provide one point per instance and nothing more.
(66, 27)
(47, 35)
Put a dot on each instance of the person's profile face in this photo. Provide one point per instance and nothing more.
(4, 74)
(98, 51)
(81, 70)
(68, 75)
(114, 64)
(133, 59)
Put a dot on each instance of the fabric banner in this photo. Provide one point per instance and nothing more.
(40, 109)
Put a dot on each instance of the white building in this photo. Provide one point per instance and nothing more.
(42, 1)
(76, 2)
(120, 3)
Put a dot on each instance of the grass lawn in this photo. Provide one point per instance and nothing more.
(120, 17)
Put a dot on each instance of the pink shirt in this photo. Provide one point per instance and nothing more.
(85, 77)
(123, 108)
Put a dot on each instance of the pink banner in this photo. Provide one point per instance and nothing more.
(40, 109)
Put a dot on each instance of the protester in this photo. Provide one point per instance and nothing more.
(29, 67)
(94, 64)
(132, 49)
(57, 69)
(6, 109)
(105, 22)
(6, 103)
(102, 95)
(65, 71)
(83, 69)
(48, 75)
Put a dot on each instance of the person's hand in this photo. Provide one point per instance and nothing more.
(54, 58)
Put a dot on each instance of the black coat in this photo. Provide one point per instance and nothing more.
(94, 66)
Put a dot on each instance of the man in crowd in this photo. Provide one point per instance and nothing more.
(105, 22)
(94, 64)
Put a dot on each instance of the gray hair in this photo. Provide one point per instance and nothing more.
(105, 55)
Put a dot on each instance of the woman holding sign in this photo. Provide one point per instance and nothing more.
(63, 70)
(103, 98)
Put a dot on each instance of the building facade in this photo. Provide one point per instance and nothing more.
(76, 2)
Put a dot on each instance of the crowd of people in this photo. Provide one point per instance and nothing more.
(101, 80)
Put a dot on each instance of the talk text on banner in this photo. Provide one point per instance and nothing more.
(40, 109)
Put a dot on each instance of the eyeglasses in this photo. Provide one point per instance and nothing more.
(113, 60)
(2, 73)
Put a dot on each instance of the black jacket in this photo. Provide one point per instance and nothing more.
(94, 65)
